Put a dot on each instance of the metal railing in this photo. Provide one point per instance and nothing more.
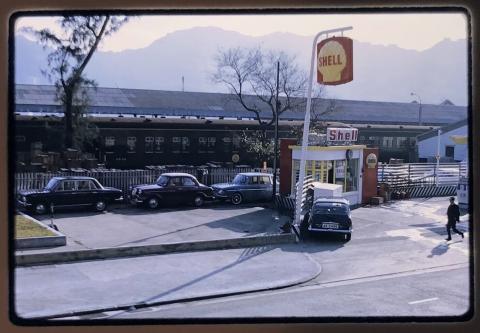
(123, 179)
(421, 174)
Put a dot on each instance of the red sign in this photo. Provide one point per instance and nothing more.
(342, 134)
(335, 61)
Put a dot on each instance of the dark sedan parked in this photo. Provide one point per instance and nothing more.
(171, 189)
(69, 191)
(249, 186)
(329, 215)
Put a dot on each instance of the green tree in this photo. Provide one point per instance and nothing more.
(72, 50)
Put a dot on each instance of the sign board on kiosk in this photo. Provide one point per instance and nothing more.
(335, 61)
(342, 134)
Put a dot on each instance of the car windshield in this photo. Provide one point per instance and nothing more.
(330, 208)
(51, 184)
(162, 180)
(239, 179)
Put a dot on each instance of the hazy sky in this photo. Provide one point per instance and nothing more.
(409, 31)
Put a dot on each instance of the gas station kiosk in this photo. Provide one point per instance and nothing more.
(335, 160)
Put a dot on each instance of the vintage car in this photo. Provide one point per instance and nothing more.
(329, 215)
(69, 191)
(246, 187)
(171, 189)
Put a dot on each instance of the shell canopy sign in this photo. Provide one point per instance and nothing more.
(335, 61)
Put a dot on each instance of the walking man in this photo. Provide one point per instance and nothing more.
(453, 214)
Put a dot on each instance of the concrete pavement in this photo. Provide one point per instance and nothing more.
(86, 287)
(128, 232)
(106, 285)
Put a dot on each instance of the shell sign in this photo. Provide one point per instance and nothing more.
(335, 61)
(371, 160)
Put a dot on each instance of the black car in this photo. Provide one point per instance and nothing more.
(67, 192)
(329, 215)
(171, 189)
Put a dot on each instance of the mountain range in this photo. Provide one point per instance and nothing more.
(381, 73)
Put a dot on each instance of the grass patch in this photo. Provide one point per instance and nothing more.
(24, 228)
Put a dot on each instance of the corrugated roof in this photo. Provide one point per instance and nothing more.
(36, 98)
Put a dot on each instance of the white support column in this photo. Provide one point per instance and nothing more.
(306, 124)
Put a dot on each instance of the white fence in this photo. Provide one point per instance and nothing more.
(421, 174)
(123, 179)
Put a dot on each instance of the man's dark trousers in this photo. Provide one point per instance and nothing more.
(452, 225)
(453, 214)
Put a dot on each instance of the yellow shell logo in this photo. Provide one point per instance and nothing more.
(331, 61)
(371, 160)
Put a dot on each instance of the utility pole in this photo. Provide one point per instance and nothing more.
(275, 149)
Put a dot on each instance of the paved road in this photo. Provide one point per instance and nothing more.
(436, 292)
(397, 263)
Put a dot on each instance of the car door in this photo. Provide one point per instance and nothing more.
(266, 186)
(172, 192)
(188, 190)
(64, 193)
(84, 195)
(254, 192)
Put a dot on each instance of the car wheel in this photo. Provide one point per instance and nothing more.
(153, 203)
(198, 201)
(100, 206)
(348, 237)
(40, 208)
(237, 198)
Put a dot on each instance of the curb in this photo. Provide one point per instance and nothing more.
(36, 242)
(133, 251)
(140, 305)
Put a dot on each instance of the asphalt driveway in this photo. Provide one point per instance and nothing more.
(130, 226)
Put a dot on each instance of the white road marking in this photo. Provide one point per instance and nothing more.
(328, 284)
(424, 300)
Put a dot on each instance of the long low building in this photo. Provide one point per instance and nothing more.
(148, 127)
(451, 141)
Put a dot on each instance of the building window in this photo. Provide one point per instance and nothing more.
(149, 144)
(176, 143)
(180, 144)
(236, 143)
(185, 144)
(227, 144)
(109, 141)
(159, 144)
(352, 175)
(340, 172)
(387, 142)
(131, 144)
(402, 141)
(211, 144)
(449, 151)
(202, 145)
